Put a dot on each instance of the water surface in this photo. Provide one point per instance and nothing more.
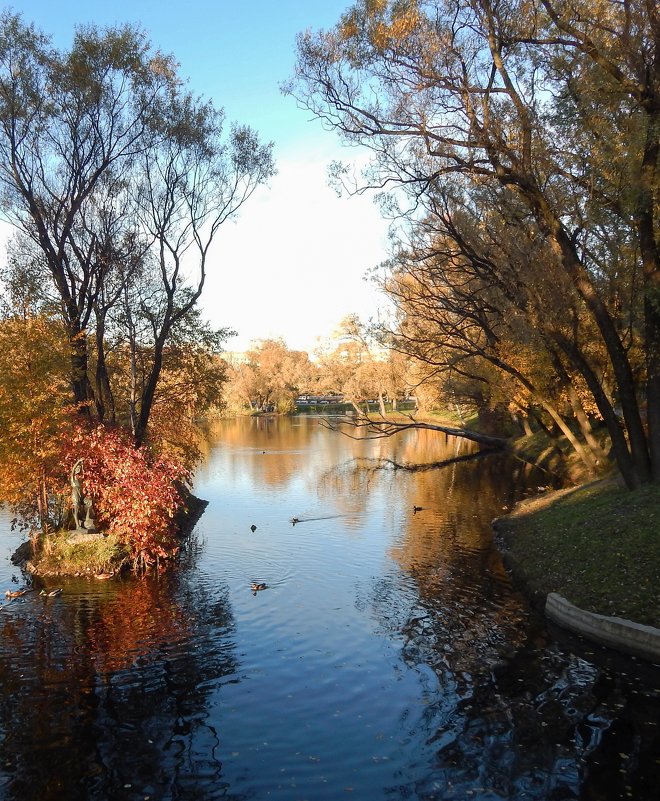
(388, 657)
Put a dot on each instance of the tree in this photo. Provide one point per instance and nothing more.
(69, 123)
(270, 376)
(107, 163)
(341, 354)
(191, 382)
(136, 494)
(34, 417)
(193, 184)
(502, 98)
(468, 310)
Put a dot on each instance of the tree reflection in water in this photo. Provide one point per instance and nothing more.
(109, 696)
(514, 716)
(390, 656)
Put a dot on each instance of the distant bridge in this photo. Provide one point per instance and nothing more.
(312, 400)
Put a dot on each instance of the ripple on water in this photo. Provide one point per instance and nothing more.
(388, 657)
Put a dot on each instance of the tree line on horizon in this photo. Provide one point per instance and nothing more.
(270, 376)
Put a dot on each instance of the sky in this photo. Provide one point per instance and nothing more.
(294, 263)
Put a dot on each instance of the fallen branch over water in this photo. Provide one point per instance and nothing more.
(383, 463)
(374, 428)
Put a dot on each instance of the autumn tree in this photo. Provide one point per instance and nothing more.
(469, 312)
(70, 122)
(341, 354)
(193, 183)
(270, 376)
(553, 111)
(191, 381)
(136, 493)
(104, 159)
(34, 415)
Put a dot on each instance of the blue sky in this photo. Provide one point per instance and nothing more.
(237, 53)
(293, 264)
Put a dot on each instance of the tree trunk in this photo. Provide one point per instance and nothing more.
(645, 218)
(638, 467)
(622, 454)
(578, 408)
(386, 428)
(104, 399)
(82, 390)
(585, 454)
(149, 391)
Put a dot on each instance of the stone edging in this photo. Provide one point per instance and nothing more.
(614, 632)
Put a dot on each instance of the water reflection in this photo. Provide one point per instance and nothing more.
(106, 691)
(388, 657)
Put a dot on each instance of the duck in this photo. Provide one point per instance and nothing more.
(14, 593)
(101, 576)
(417, 509)
(295, 520)
(51, 593)
(253, 528)
(257, 586)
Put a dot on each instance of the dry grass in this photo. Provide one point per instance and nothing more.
(57, 557)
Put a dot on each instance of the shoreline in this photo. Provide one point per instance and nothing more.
(24, 557)
(548, 580)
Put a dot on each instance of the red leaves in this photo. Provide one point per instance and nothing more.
(134, 492)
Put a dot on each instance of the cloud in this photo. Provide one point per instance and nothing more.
(293, 264)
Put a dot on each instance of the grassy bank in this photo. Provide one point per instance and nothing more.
(58, 557)
(597, 545)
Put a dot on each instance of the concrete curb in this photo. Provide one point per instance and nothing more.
(614, 632)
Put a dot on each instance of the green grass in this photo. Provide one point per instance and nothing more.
(597, 545)
(99, 556)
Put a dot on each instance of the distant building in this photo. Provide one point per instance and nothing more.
(235, 357)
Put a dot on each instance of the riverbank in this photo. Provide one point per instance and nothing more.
(597, 545)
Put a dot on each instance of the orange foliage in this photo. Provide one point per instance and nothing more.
(35, 412)
(134, 492)
(133, 625)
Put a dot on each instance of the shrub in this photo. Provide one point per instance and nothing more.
(135, 493)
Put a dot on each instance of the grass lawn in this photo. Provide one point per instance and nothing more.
(60, 558)
(597, 545)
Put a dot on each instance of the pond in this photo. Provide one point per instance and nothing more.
(387, 657)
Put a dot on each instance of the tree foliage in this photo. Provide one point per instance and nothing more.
(135, 494)
(120, 178)
(523, 139)
(269, 377)
(117, 180)
(35, 414)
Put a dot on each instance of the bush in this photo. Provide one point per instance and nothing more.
(134, 492)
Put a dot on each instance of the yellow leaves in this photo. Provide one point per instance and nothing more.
(401, 27)
(349, 27)
(33, 397)
(381, 36)
(405, 24)
(163, 67)
(374, 7)
(382, 30)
